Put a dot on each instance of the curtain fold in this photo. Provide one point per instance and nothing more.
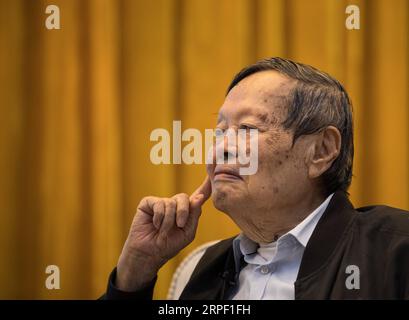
(77, 106)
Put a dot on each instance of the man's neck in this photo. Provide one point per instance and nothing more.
(266, 226)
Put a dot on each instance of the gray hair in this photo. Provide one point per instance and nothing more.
(316, 102)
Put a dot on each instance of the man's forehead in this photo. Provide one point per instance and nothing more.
(261, 85)
(261, 94)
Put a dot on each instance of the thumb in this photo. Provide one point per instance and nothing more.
(199, 196)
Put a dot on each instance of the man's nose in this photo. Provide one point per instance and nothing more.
(227, 148)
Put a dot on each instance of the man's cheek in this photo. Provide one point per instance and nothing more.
(264, 185)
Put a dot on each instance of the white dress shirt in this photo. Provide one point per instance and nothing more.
(272, 268)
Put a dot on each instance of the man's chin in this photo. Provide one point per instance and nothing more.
(224, 200)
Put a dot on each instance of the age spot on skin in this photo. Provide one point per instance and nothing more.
(273, 121)
(221, 196)
(273, 139)
(275, 190)
(270, 141)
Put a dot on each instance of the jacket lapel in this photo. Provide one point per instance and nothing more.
(327, 234)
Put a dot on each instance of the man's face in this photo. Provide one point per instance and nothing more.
(260, 102)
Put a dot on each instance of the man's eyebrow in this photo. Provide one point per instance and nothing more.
(264, 117)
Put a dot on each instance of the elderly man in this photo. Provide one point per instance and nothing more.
(301, 237)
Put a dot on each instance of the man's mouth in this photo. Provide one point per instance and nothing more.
(226, 174)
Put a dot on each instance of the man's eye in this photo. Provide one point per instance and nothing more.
(247, 127)
(219, 132)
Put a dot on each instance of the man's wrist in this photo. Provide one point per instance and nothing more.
(114, 293)
(134, 274)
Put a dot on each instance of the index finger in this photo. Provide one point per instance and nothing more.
(204, 189)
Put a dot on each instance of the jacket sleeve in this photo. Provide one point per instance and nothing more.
(113, 293)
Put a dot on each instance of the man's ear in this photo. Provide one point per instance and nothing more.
(327, 146)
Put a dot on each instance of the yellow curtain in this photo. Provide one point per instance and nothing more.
(77, 106)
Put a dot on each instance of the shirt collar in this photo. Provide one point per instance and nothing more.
(243, 246)
(303, 231)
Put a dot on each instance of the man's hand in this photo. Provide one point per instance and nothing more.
(160, 229)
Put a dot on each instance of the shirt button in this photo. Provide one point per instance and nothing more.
(264, 270)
